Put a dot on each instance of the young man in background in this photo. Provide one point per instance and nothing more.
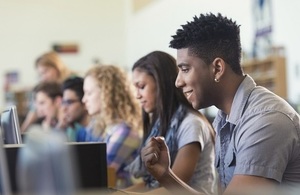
(76, 117)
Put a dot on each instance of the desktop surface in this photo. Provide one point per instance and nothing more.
(90, 162)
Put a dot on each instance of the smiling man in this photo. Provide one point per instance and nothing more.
(257, 132)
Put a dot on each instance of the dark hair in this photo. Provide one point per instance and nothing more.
(75, 84)
(52, 89)
(210, 36)
(162, 67)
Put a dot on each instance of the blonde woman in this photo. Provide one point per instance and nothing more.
(50, 68)
(116, 117)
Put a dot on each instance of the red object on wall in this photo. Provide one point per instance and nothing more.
(66, 48)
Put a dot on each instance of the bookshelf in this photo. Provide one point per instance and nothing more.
(22, 99)
(269, 72)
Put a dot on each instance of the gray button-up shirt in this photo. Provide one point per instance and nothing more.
(260, 137)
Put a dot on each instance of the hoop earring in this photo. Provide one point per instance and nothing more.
(217, 80)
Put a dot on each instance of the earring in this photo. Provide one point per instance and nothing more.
(217, 80)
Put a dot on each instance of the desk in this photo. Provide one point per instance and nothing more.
(91, 164)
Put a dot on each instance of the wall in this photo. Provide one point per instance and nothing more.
(151, 29)
(29, 28)
(113, 32)
(286, 33)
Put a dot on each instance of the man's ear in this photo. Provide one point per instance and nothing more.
(218, 68)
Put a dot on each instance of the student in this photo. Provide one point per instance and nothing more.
(49, 67)
(115, 117)
(76, 117)
(167, 113)
(257, 132)
(48, 97)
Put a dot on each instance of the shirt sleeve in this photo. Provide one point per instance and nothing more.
(192, 129)
(264, 145)
(121, 145)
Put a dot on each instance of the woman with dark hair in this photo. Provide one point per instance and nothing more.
(167, 113)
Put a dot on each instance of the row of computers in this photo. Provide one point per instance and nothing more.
(10, 127)
(44, 162)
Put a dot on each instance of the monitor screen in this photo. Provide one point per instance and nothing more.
(89, 157)
(10, 126)
(5, 187)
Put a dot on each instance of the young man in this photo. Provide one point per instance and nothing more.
(76, 117)
(257, 132)
(47, 98)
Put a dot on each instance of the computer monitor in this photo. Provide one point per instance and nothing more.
(10, 126)
(5, 187)
(90, 159)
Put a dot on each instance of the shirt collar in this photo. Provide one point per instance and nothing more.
(239, 102)
(240, 99)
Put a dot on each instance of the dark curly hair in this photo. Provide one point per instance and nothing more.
(210, 36)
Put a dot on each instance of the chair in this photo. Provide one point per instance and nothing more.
(111, 177)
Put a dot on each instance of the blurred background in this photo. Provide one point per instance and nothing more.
(121, 31)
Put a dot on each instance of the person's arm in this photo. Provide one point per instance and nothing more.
(159, 168)
(186, 160)
(135, 188)
(261, 155)
(30, 118)
(252, 184)
(158, 165)
(175, 185)
(62, 122)
(157, 191)
(122, 143)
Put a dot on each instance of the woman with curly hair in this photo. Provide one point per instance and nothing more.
(116, 117)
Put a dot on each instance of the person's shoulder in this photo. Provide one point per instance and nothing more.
(263, 100)
(192, 115)
(123, 127)
(193, 119)
(73, 74)
(123, 131)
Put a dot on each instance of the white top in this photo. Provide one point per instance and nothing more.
(193, 129)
